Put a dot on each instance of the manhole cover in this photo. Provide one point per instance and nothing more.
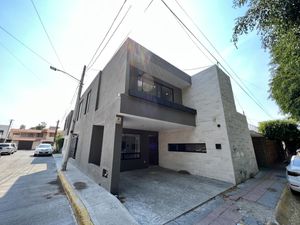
(271, 189)
(80, 185)
(53, 182)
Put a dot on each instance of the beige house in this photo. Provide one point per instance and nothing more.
(27, 139)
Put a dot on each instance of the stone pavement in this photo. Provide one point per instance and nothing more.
(250, 203)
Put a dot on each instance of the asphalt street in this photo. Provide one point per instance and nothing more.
(30, 193)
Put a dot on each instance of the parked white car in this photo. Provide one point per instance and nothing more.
(43, 149)
(293, 173)
(7, 148)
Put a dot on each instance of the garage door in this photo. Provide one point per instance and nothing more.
(25, 145)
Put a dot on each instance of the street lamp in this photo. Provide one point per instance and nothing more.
(68, 148)
(55, 69)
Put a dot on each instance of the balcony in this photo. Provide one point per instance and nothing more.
(140, 104)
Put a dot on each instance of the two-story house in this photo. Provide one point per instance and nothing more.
(27, 139)
(140, 111)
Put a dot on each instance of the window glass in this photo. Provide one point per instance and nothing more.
(4, 145)
(166, 93)
(44, 145)
(140, 83)
(146, 84)
(296, 162)
(87, 104)
(149, 87)
(189, 147)
(130, 146)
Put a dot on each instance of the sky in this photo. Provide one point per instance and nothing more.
(32, 93)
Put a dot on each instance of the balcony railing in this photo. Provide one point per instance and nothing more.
(161, 101)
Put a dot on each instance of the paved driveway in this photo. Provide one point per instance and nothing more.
(156, 195)
(30, 193)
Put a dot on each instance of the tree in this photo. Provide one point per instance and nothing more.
(278, 24)
(40, 126)
(59, 141)
(282, 130)
(22, 127)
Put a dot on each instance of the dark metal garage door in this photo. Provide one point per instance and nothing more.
(25, 145)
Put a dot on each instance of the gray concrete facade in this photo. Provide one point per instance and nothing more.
(202, 111)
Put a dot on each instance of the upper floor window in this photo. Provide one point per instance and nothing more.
(149, 86)
(87, 103)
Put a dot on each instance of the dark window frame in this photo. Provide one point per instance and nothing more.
(87, 102)
(98, 91)
(187, 147)
(131, 155)
(219, 146)
(158, 86)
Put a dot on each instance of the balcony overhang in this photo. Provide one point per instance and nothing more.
(137, 106)
(145, 60)
(143, 123)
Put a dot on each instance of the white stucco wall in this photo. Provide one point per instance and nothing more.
(204, 95)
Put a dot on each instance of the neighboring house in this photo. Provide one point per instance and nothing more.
(27, 139)
(267, 151)
(142, 111)
(3, 132)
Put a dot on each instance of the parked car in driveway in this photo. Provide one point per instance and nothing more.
(293, 173)
(7, 148)
(43, 149)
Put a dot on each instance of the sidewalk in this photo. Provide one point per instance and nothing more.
(103, 208)
(249, 203)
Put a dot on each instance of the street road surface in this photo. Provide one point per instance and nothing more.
(30, 193)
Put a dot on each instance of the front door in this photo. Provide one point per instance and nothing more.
(153, 149)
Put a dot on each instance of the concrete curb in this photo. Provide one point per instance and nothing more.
(287, 210)
(80, 211)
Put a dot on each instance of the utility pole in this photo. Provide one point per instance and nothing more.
(55, 133)
(70, 136)
(10, 122)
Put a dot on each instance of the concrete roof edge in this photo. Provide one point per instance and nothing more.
(161, 62)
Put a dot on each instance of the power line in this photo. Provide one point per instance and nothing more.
(19, 61)
(194, 41)
(110, 38)
(174, 14)
(148, 6)
(28, 48)
(219, 54)
(197, 68)
(254, 100)
(48, 37)
(88, 65)
(24, 45)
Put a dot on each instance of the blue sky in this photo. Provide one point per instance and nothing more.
(36, 93)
